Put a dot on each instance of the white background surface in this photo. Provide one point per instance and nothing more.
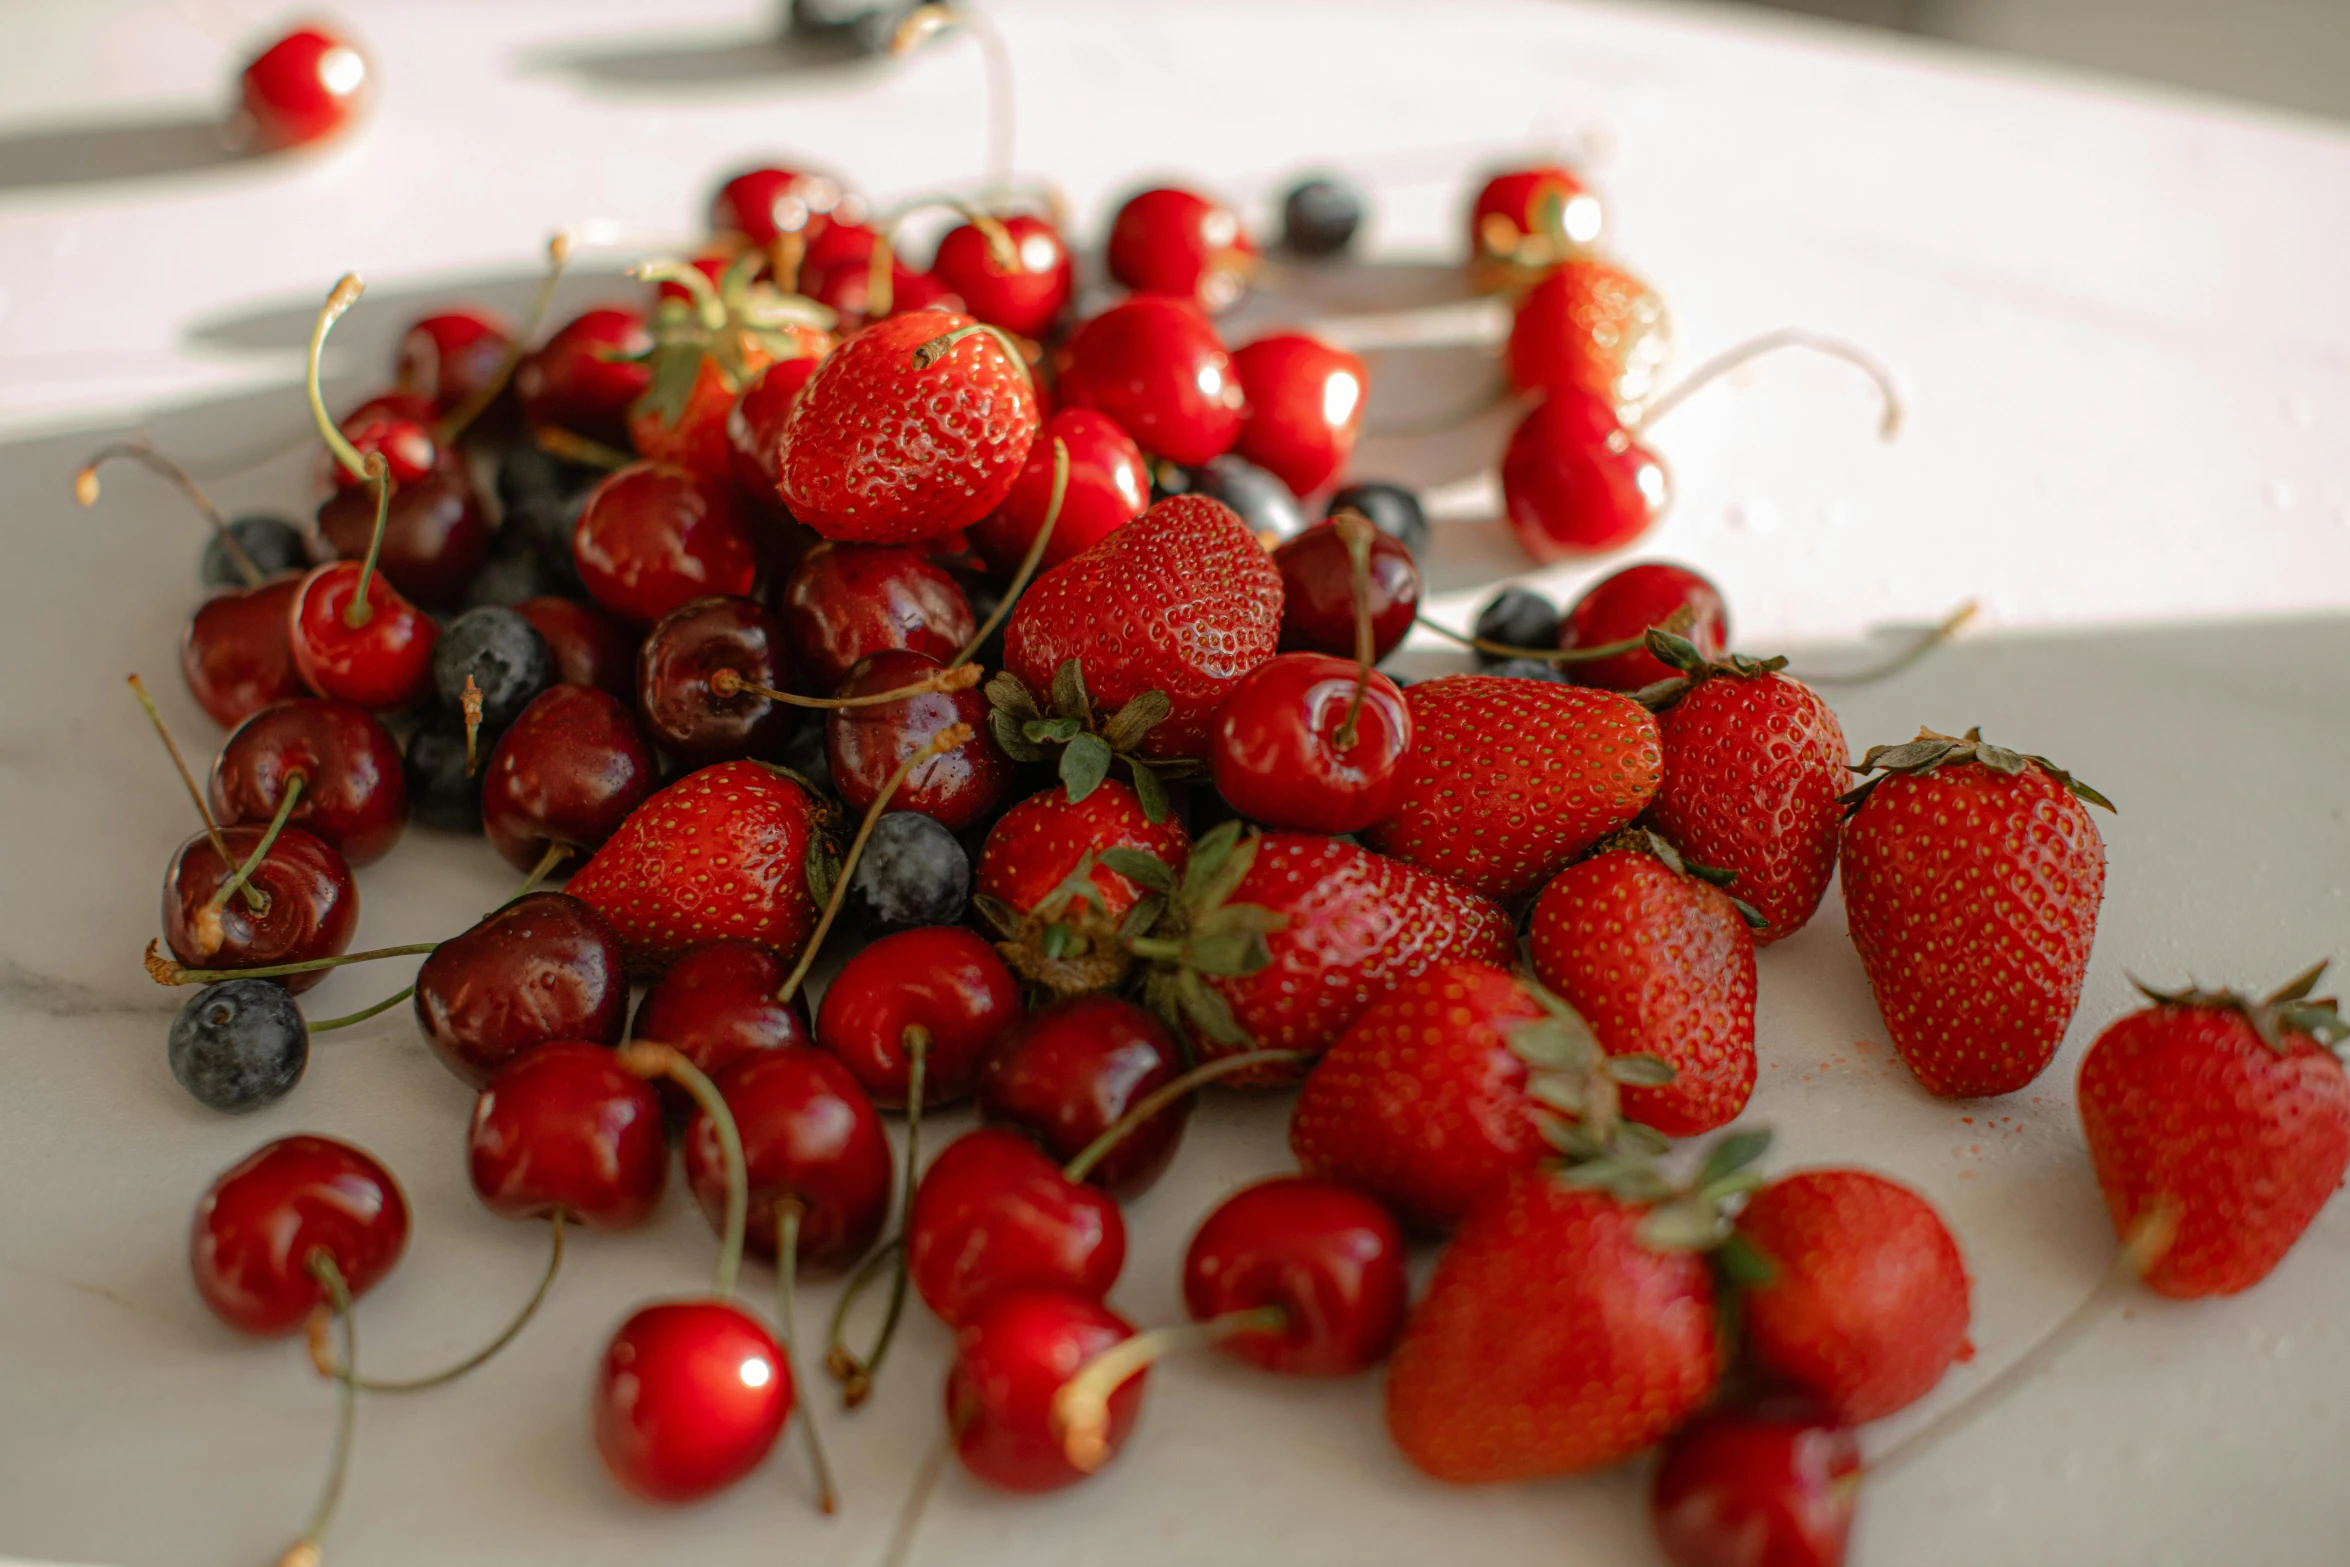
(2127, 351)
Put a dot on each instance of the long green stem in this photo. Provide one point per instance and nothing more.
(462, 416)
(727, 682)
(1028, 562)
(556, 854)
(306, 1551)
(166, 972)
(364, 1013)
(254, 898)
(1080, 1411)
(85, 490)
(856, 1373)
(1165, 1094)
(277, 824)
(1547, 655)
(648, 1058)
(1889, 420)
(329, 1368)
(340, 298)
(1354, 530)
(1933, 637)
(787, 1265)
(379, 474)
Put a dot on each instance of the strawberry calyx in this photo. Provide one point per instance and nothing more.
(2284, 1012)
(822, 865)
(1088, 743)
(1571, 1075)
(1648, 841)
(1675, 651)
(738, 325)
(1696, 1215)
(1916, 758)
(1068, 944)
(1200, 933)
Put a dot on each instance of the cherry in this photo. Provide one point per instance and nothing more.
(810, 1138)
(1526, 221)
(1170, 241)
(405, 444)
(564, 1128)
(754, 427)
(435, 536)
(453, 356)
(927, 1002)
(1621, 608)
(653, 537)
(569, 772)
(354, 795)
(717, 1003)
(759, 206)
(543, 967)
(1305, 407)
(1393, 510)
(1329, 1259)
(1589, 326)
(1108, 487)
(683, 709)
(236, 653)
(863, 746)
(398, 406)
(1010, 1366)
(1769, 1484)
(1067, 1074)
(1318, 593)
(303, 88)
(689, 1398)
(840, 241)
(993, 1214)
(844, 602)
(261, 1219)
(1012, 272)
(588, 649)
(1574, 479)
(585, 377)
(1156, 366)
(1295, 746)
(383, 662)
(847, 286)
(310, 905)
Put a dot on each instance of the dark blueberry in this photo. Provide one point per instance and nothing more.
(1319, 216)
(541, 497)
(1393, 510)
(984, 597)
(274, 544)
(1517, 617)
(440, 794)
(804, 754)
(913, 872)
(1264, 502)
(1526, 669)
(502, 653)
(240, 1044)
(507, 579)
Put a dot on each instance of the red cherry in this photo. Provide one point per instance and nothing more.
(994, 1215)
(1169, 241)
(353, 793)
(569, 771)
(1589, 326)
(759, 206)
(585, 377)
(1526, 221)
(652, 537)
(304, 88)
(838, 242)
(1280, 755)
(1330, 1258)
(311, 905)
(435, 534)
(1109, 485)
(1574, 480)
(1021, 281)
(452, 356)
(1318, 593)
(1008, 1367)
(846, 284)
(864, 745)
(589, 650)
(543, 967)
(400, 403)
(1156, 366)
(261, 1219)
(943, 980)
(715, 1004)
(1768, 1485)
(384, 663)
(236, 654)
(688, 716)
(1621, 608)
(713, 267)
(754, 426)
(845, 602)
(810, 1136)
(1305, 407)
(406, 445)
(1066, 1074)
(689, 1398)
(564, 1126)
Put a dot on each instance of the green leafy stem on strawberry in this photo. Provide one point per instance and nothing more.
(720, 322)
(1677, 652)
(1199, 932)
(1647, 840)
(1930, 750)
(1088, 743)
(2286, 1011)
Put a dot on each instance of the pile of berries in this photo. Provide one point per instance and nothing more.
(820, 592)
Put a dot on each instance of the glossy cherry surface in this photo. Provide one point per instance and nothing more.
(652, 537)
(994, 1214)
(1066, 1074)
(811, 1137)
(236, 655)
(1008, 1367)
(1305, 407)
(845, 602)
(542, 967)
(1020, 282)
(1109, 486)
(687, 648)
(1329, 1257)
(944, 980)
(405, 443)
(864, 745)
(715, 1004)
(690, 1396)
(565, 1126)
(303, 88)
(846, 285)
(1589, 326)
(384, 663)
(262, 1217)
(759, 206)
(1573, 479)
(311, 904)
(1157, 367)
(569, 771)
(589, 650)
(1318, 593)
(435, 535)
(354, 794)
(451, 355)
(584, 378)
(1280, 755)
(1624, 606)
(1524, 221)
(1770, 1484)
(1172, 241)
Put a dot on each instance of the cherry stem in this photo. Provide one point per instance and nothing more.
(839, 1364)
(1000, 249)
(707, 305)
(379, 473)
(166, 972)
(1028, 562)
(252, 457)
(856, 1373)
(85, 490)
(880, 282)
(1556, 655)
(1354, 530)
(556, 441)
(255, 899)
(277, 824)
(470, 703)
(322, 1357)
(648, 1058)
(787, 1263)
(930, 353)
(1165, 1094)
(364, 1013)
(1933, 637)
(726, 682)
(555, 855)
(934, 1464)
(1888, 425)
(307, 1551)
(1080, 1413)
(924, 22)
(340, 298)
(785, 252)
(460, 418)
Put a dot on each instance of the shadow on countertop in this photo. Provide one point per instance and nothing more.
(104, 153)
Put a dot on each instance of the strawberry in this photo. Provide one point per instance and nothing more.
(1182, 601)
(1662, 964)
(732, 850)
(912, 428)
(2222, 1121)
(710, 337)
(1972, 876)
(1754, 764)
(1046, 882)
(1509, 780)
(1860, 1296)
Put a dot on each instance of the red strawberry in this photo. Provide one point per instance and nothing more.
(1661, 964)
(2222, 1121)
(1044, 883)
(1754, 765)
(1182, 600)
(912, 428)
(1860, 1296)
(710, 337)
(721, 852)
(1972, 876)
(1509, 779)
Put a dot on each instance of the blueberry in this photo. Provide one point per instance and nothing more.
(1526, 669)
(542, 497)
(240, 1044)
(1393, 510)
(913, 872)
(439, 793)
(505, 657)
(1517, 617)
(1320, 215)
(274, 544)
(1264, 502)
(509, 577)
(804, 754)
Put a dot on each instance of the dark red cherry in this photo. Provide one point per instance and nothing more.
(569, 771)
(399, 403)
(1573, 479)
(715, 1004)
(1305, 407)
(1318, 593)
(564, 1126)
(435, 535)
(864, 745)
(1109, 486)
(1066, 1075)
(1329, 1257)
(260, 1220)
(589, 650)
(1622, 607)
(838, 242)
(1012, 272)
(543, 967)
(405, 444)
(844, 602)
(1169, 241)
(943, 980)
(754, 427)
(1156, 366)
(385, 662)
(236, 655)
(1280, 754)
(1009, 1365)
(759, 206)
(1525, 221)
(450, 357)
(353, 793)
(1771, 1484)
(310, 904)
(584, 378)
(810, 1136)
(652, 537)
(690, 717)
(993, 1215)
(304, 88)
(847, 286)
(690, 1396)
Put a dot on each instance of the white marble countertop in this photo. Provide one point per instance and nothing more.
(2121, 327)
